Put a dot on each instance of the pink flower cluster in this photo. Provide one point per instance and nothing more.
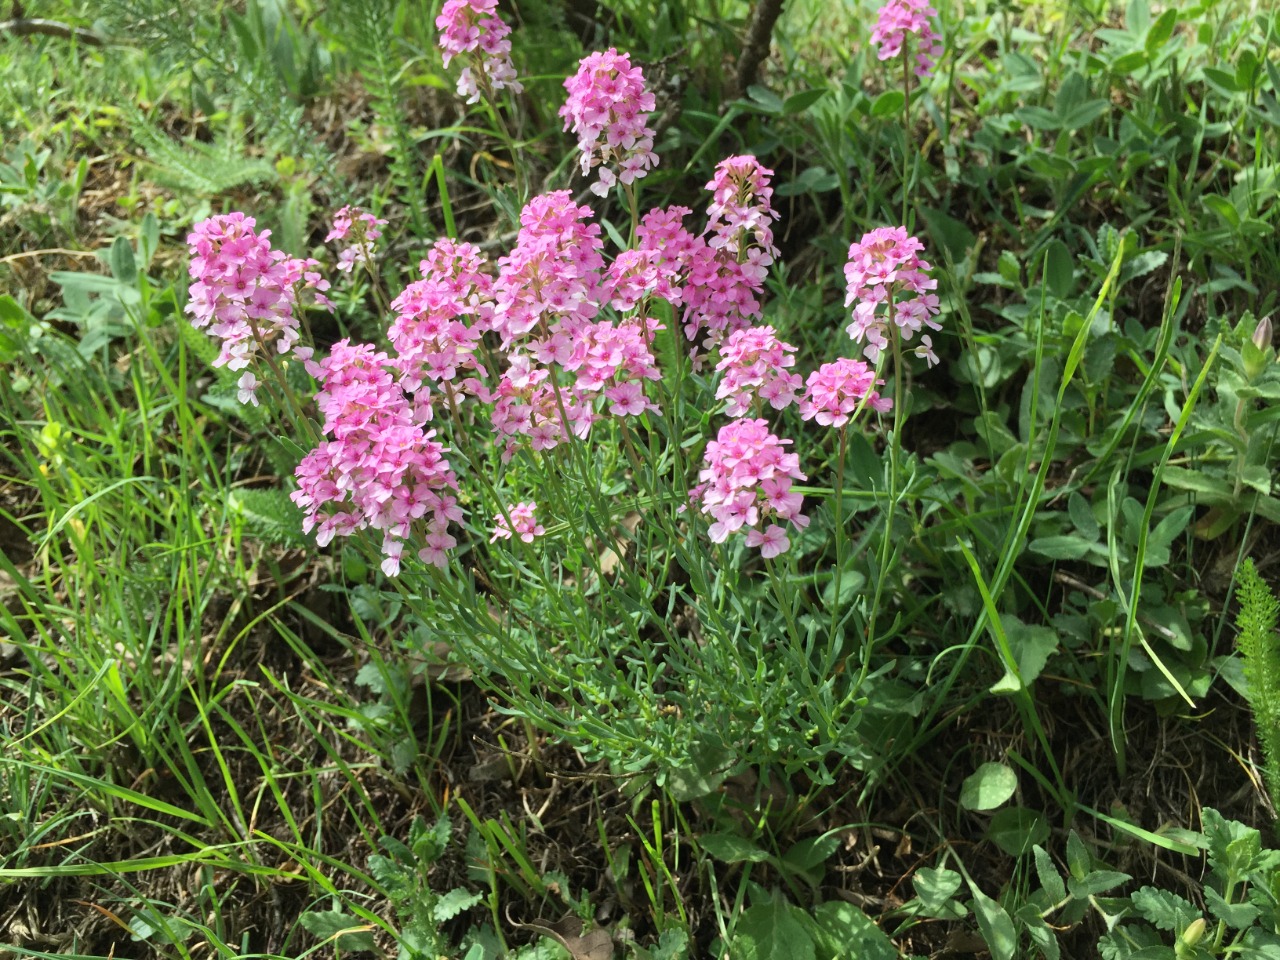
(551, 279)
(474, 27)
(835, 391)
(755, 364)
(747, 483)
(885, 271)
(740, 214)
(245, 292)
(608, 110)
(522, 524)
(361, 229)
(897, 20)
(380, 470)
(716, 293)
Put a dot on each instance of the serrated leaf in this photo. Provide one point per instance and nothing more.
(453, 903)
(988, 787)
(1164, 909)
(772, 931)
(269, 515)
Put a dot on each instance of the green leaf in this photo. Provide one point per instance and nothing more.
(888, 104)
(1050, 878)
(1042, 935)
(802, 101)
(935, 888)
(845, 931)
(1066, 546)
(453, 903)
(765, 98)
(1078, 859)
(988, 787)
(772, 931)
(1016, 830)
(732, 848)
(346, 932)
(948, 233)
(1082, 516)
(1059, 269)
(1095, 882)
(995, 924)
(1164, 909)
(811, 852)
(123, 266)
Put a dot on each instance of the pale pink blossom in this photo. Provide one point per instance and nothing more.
(835, 391)
(608, 110)
(899, 19)
(522, 524)
(473, 28)
(888, 283)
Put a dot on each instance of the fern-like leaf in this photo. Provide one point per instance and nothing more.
(1259, 613)
(269, 515)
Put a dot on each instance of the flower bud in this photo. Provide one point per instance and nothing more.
(1257, 352)
(1262, 334)
(1190, 937)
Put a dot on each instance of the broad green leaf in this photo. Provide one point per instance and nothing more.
(845, 931)
(772, 931)
(732, 848)
(935, 888)
(1016, 830)
(1059, 269)
(347, 932)
(995, 924)
(988, 787)
(1064, 546)
(1095, 882)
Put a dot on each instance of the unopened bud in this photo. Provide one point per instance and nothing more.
(1256, 354)
(1262, 334)
(1190, 937)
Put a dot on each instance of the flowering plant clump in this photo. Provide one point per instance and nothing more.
(897, 20)
(835, 391)
(246, 293)
(607, 110)
(747, 483)
(360, 228)
(474, 27)
(585, 370)
(888, 283)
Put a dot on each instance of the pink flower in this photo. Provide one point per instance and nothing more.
(885, 270)
(378, 467)
(608, 110)
(755, 363)
(523, 524)
(747, 483)
(899, 18)
(474, 27)
(361, 229)
(247, 386)
(836, 390)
